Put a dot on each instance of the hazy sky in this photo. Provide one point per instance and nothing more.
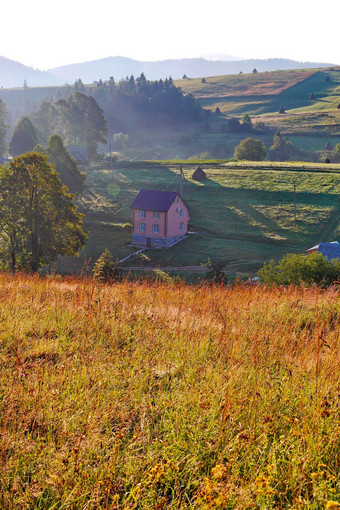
(45, 34)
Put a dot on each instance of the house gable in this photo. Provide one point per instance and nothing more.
(160, 218)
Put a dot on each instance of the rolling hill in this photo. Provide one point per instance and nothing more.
(13, 74)
(120, 67)
(310, 123)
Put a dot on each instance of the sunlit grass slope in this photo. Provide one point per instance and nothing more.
(263, 94)
(138, 395)
(244, 212)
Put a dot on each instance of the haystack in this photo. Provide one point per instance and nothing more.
(199, 174)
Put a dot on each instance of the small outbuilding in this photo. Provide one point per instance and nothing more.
(199, 174)
(160, 219)
(329, 250)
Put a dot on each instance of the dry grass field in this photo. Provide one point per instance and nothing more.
(253, 84)
(151, 395)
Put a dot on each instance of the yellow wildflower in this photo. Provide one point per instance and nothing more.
(332, 504)
(218, 472)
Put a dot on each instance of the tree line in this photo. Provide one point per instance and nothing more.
(137, 103)
(89, 112)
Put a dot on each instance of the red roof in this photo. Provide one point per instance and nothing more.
(152, 200)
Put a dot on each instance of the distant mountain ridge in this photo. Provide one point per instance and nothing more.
(13, 74)
(120, 67)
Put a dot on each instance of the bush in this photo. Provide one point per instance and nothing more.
(281, 150)
(105, 269)
(298, 268)
(251, 150)
(215, 273)
(234, 126)
(336, 153)
(121, 140)
(259, 126)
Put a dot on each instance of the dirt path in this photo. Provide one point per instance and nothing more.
(190, 269)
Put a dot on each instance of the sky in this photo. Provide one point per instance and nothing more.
(44, 34)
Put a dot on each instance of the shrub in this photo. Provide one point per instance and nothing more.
(298, 268)
(105, 269)
(234, 126)
(259, 126)
(282, 149)
(336, 153)
(251, 150)
(215, 273)
(121, 140)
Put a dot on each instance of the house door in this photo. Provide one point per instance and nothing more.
(148, 242)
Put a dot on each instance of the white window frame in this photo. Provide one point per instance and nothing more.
(155, 228)
(181, 213)
(142, 214)
(156, 215)
(142, 227)
(181, 227)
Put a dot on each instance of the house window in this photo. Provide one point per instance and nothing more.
(156, 215)
(181, 213)
(142, 214)
(142, 227)
(155, 229)
(182, 227)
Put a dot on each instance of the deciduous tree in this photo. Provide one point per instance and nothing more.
(250, 149)
(38, 220)
(83, 121)
(297, 268)
(65, 164)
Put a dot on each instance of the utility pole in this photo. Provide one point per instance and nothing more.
(294, 203)
(111, 164)
(181, 181)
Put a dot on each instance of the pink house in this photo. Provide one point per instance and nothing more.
(160, 218)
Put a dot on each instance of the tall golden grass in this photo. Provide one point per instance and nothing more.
(161, 395)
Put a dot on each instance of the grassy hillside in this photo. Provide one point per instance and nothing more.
(310, 123)
(262, 95)
(139, 396)
(244, 213)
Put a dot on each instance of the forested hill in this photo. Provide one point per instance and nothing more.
(128, 105)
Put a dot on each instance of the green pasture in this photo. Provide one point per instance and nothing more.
(262, 94)
(242, 213)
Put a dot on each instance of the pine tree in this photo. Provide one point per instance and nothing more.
(24, 137)
(3, 129)
(105, 269)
